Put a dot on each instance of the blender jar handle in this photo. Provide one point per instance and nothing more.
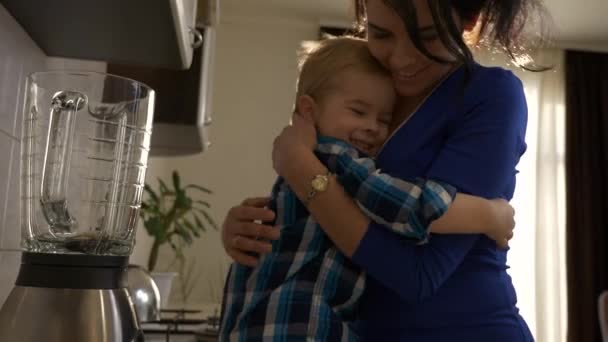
(57, 156)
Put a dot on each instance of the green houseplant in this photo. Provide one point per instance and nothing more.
(171, 216)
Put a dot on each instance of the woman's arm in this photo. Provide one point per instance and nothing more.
(466, 215)
(244, 238)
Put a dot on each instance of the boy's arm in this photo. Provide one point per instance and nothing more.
(472, 214)
(411, 208)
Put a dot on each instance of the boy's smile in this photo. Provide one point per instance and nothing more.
(357, 109)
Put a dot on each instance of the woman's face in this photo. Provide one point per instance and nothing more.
(413, 73)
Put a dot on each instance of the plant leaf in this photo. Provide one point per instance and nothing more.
(198, 222)
(182, 201)
(178, 251)
(154, 227)
(188, 225)
(207, 217)
(176, 182)
(203, 203)
(193, 229)
(198, 187)
(151, 193)
(163, 187)
(182, 232)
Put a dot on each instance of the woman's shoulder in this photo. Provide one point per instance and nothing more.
(491, 93)
(493, 81)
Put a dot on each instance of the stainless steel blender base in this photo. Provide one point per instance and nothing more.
(34, 314)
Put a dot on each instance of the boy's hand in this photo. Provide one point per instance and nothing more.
(504, 222)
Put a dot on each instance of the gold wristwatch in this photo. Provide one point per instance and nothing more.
(318, 184)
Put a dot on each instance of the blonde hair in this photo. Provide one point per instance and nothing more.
(321, 62)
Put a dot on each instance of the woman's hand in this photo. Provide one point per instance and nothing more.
(243, 236)
(502, 230)
(294, 140)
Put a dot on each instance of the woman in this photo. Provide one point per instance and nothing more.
(457, 122)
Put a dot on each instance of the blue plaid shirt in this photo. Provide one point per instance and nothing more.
(305, 289)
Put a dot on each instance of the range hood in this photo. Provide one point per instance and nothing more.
(157, 33)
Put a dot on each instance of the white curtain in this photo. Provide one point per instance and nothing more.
(537, 255)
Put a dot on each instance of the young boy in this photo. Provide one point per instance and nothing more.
(305, 289)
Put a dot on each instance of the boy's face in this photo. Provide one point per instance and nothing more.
(358, 110)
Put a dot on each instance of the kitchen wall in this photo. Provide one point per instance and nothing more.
(254, 85)
(19, 56)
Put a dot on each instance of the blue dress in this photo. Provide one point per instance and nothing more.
(468, 133)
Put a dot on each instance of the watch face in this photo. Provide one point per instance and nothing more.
(319, 183)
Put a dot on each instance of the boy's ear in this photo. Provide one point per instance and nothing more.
(469, 25)
(307, 107)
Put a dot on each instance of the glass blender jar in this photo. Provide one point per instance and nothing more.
(84, 156)
(84, 152)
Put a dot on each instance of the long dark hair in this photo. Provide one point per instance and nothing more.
(502, 23)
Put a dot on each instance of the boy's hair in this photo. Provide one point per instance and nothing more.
(321, 62)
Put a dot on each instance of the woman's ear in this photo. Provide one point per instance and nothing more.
(306, 107)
